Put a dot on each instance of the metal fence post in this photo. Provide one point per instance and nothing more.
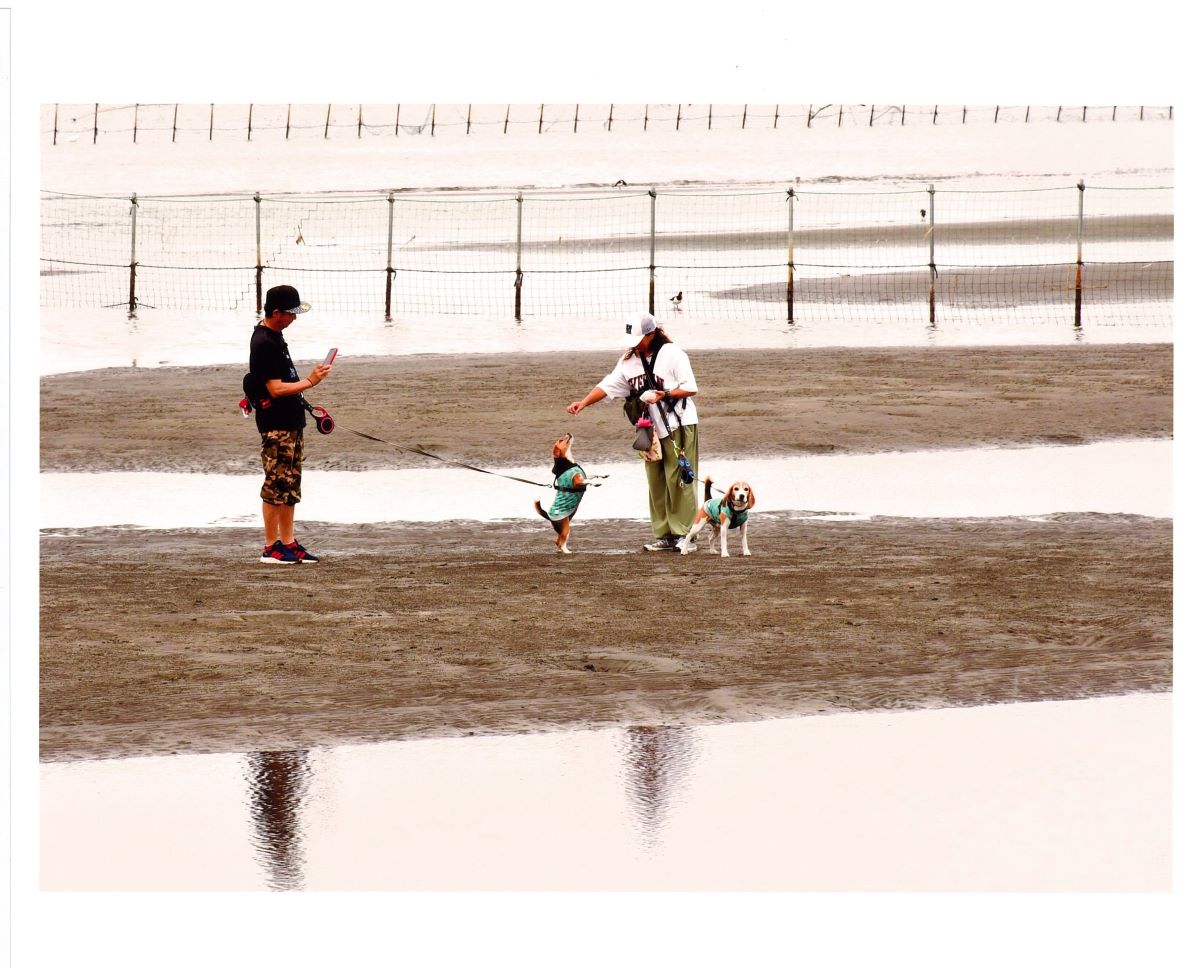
(653, 200)
(791, 262)
(1079, 262)
(174, 123)
(328, 111)
(387, 297)
(55, 141)
(135, 117)
(541, 114)
(517, 283)
(360, 122)
(249, 121)
(212, 110)
(258, 266)
(287, 131)
(133, 256)
(95, 123)
(469, 116)
(932, 264)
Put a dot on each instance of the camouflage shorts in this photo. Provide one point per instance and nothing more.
(282, 455)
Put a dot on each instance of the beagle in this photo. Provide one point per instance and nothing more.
(722, 514)
(570, 482)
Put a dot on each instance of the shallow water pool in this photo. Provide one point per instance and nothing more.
(1121, 477)
(1051, 796)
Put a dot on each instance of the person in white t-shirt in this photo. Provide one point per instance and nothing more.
(671, 407)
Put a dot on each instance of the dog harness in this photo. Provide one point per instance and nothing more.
(567, 496)
(714, 511)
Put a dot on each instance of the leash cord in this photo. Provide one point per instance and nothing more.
(472, 467)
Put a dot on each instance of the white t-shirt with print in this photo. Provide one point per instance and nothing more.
(672, 370)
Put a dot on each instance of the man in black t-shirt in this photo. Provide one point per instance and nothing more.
(275, 394)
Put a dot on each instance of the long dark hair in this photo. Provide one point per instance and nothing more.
(660, 337)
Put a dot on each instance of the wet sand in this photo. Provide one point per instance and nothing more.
(506, 409)
(162, 642)
(179, 641)
(821, 238)
(999, 288)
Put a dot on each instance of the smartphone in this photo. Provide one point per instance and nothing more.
(330, 355)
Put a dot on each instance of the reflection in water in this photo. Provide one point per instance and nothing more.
(796, 805)
(278, 783)
(657, 758)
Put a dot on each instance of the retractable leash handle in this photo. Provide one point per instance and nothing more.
(324, 422)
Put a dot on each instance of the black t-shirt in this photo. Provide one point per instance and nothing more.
(270, 360)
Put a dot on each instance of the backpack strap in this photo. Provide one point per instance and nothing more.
(649, 368)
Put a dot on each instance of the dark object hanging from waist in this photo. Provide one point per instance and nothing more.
(255, 394)
(257, 398)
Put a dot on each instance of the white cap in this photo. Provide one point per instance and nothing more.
(637, 327)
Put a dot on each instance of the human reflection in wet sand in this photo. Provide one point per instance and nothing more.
(657, 759)
(278, 783)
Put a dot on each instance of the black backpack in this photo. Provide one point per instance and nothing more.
(256, 394)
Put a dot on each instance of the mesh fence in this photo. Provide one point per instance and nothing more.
(1040, 255)
(63, 124)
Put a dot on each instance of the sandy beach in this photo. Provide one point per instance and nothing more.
(179, 641)
(506, 408)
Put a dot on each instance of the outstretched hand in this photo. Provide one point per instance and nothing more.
(575, 407)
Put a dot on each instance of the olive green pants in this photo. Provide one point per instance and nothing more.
(673, 508)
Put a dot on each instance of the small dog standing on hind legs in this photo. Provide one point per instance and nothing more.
(721, 515)
(570, 482)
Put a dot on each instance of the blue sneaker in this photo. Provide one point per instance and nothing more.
(302, 554)
(277, 554)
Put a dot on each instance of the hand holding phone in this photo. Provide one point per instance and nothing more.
(321, 370)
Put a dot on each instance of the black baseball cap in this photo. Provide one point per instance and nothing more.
(284, 298)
